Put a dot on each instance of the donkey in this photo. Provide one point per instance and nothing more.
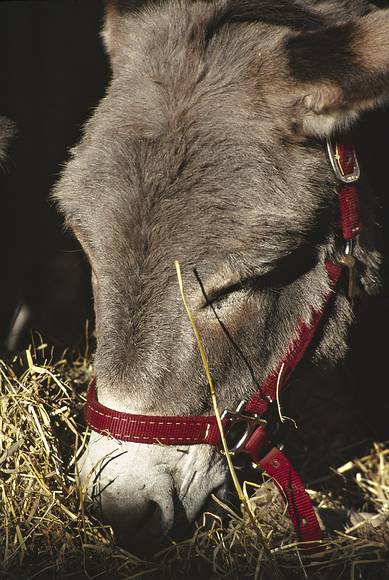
(208, 149)
(7, 132)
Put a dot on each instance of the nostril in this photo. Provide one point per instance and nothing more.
(142, 526)
(155, 520)
(150, 513)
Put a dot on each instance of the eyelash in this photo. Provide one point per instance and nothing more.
(219, 297)
(219, 301)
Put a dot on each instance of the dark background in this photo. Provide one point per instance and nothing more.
(53, 71)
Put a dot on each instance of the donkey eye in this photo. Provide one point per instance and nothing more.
(281, 274)
(274, 279)
(223, 296)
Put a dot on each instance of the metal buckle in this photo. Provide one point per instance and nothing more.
(348, 261)
(245, 425)
(335, 160)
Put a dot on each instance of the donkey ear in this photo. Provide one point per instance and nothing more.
(114, 22)
(341, 71)
(110, 30)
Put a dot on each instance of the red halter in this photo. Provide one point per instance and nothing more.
(255, 438)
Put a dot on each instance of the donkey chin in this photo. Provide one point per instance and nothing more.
(159, 497)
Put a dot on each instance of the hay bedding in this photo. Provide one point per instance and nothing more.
(46, 533)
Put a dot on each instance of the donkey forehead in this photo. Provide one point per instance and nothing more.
(188, 150)
(199, 192)
(215, 197)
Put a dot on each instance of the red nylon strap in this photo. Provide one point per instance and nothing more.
(149, 429)
(299, 503)
(349, 211)
(350, 215)
(260, 401)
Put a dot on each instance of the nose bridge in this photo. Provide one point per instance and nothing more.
(142, 363)
(150, 381)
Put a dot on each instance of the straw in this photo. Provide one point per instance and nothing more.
(46, 532)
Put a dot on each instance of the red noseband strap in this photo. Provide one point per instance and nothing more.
(252, 414)
(149, 429)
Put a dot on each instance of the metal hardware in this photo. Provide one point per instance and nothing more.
(336, 164)
(349, 262)
(244, 423)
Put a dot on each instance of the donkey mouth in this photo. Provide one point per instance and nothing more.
(184, 528)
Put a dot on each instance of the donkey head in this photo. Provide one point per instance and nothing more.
(208, 149)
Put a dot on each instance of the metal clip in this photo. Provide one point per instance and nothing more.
(336, 164)
(349, 261)
(240, 425)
